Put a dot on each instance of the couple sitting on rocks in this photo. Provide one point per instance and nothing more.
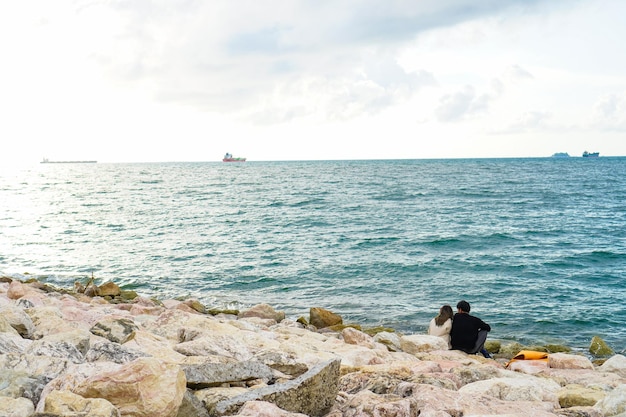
(462, 331)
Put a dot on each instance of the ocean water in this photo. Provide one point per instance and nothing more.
(536, 245)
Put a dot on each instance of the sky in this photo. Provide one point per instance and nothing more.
(189, 80)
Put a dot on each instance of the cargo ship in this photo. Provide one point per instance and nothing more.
(229, 158)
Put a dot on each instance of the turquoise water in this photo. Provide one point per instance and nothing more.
(537, 246)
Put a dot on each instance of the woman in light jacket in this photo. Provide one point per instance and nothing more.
(441, 325)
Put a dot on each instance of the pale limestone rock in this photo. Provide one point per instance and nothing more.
(614, 404)
(422, 343)
(468, 374)
(215, 344)
(585, 377)
(79, 338)
(321, 318)
(212, 375)
(37, 367)
(192, 406)
(530, 367)
(5, 326)
(391, 340)
(515, 389)
(355, 337)
(68, 403)
(263, 311)
(146, 387)
(288, 323)
(281, 362)
(577, 396)
(312, 393)
(112, 352)
(114, 329)
(433, 399)
(142, 309)
(615, 364)
(368, 404)
(568, 361)
(210, 397)
(18, 383)
(153, 345)
(73, 375)
(16, 290)
(170, 323)
(265, 409)
(13, 342)
(310, 347)
(259, 322)
(19, 320)
(48, 320)
(60, 349)
(16, 407)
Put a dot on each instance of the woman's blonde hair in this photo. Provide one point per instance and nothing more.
(445, 313)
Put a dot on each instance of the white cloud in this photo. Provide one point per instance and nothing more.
(208, 74)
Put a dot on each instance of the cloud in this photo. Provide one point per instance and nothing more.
(244, 57)
(609, 112)
(462, 104)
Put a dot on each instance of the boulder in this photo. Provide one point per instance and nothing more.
(389, 339)
(579, 396)
(422, 343)
(109, 289)
(614, 404)
(204, 375)
(191, 406)
(153, 345)
(146, 387)
(114, 329)
(11, 342)
(356, 337)
(615, 364)
(112, 352)
(265, 409)
(67, 403)
(56, 349)
(599, 347)
(320, 318)
(515, 389)
(312, 393)
(568, 361)
(19, 320)
(263, 311)
(16, 407)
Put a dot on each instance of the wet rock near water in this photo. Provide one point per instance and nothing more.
(97, 350)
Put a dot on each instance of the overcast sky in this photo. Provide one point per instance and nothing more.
(188, 80)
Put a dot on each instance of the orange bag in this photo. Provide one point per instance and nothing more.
(529, 355)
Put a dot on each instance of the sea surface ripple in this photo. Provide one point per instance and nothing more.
(536, 245)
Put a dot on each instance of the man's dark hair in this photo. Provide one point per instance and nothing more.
(464, 306)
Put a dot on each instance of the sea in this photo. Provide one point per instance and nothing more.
(537, 246)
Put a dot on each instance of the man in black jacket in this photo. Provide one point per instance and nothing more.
(468, 333)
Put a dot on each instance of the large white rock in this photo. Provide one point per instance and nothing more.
(422, 343)
(615, 364)
(516, 389)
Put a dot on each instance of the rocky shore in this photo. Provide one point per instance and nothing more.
(98, 351)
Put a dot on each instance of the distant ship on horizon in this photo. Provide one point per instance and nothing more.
(229, 158)
(560, 155)
(47, 161)
(591, 154)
